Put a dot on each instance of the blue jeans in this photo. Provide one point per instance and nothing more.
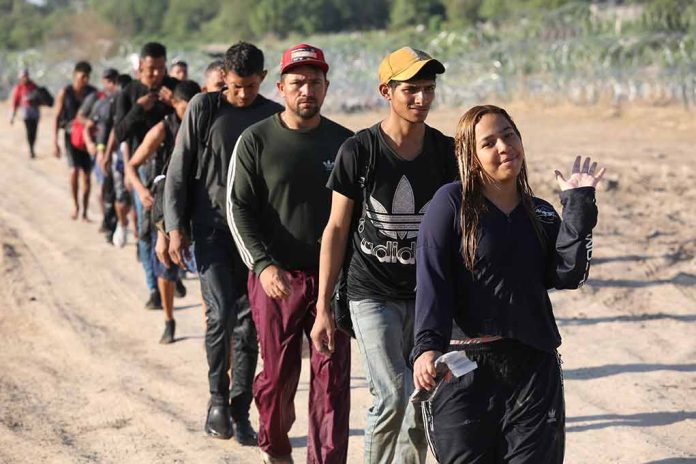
(145, 247)
(384, 331)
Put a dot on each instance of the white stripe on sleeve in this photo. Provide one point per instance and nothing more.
(243, 250)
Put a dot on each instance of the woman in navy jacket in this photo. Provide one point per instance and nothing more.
(488, 250)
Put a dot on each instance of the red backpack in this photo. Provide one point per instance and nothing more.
(77, 130)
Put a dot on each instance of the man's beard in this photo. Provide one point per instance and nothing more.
(307, 112)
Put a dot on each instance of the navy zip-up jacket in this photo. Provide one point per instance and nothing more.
(506, 295)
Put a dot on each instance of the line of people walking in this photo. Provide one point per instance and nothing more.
(435, 245)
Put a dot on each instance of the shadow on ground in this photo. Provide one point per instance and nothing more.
(301, 442)
(625, 318)
(691, 460)
(648, 419)
(585, 373)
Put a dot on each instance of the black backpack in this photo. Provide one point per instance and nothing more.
(367, 159)
(162, 157)
(40, 96)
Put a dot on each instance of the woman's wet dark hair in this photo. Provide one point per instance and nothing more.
(471, 174)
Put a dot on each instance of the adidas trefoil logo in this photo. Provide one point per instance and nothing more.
(552, 416)
(329, 165)
(403, 222)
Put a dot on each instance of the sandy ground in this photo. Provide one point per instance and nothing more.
(83, 379)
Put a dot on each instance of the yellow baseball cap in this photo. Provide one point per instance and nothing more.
(405, 63)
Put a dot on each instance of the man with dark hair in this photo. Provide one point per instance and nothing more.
(22, 99)
(277, 202)
(159, 141)
(142, 104)
(179, 69)
(96, 112)
(214, 77)
(117, 198)
(195, 197)
(68, 102)
(382, 183)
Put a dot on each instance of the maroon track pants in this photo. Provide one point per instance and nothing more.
(280, 325)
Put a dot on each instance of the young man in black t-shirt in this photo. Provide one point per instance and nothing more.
(68, 103)
(277, 205)
(378, 209)
(195, 197)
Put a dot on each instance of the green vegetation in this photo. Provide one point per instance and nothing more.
(25, 24)
(553, 50)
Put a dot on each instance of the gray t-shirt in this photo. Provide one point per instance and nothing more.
(196, 179)
(98, 107)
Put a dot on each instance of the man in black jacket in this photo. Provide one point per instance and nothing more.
(195, 196)
(142, 104)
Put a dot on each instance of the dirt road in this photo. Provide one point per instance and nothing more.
(83, 379)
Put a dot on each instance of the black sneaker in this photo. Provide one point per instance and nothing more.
(168, 335)
(180, 290)
(155, 302)
(218, 423)
(244, 433)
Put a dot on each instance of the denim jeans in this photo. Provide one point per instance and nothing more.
(145, 247)
(384, 331)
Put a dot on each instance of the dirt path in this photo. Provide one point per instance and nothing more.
(83, 379)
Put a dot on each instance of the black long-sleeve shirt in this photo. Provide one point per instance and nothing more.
(132, 121)
(277, 204)
(202, 193)
(506, 295)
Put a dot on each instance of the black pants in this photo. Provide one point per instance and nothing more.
(77, 159)
(109, 198)
(509, 410)
(31, 126)
(223, 284)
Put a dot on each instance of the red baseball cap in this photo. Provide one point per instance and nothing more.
(303, 55)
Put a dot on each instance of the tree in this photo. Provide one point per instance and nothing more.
(461, 13)
(669, 15)
(21, 24)
(231, 22)
(186, 17)
(413, 12)
(133, 17)
(361, 14)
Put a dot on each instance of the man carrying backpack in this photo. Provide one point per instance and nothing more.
(382, 182)
(194, 198)
(68, 103)
(24, 99)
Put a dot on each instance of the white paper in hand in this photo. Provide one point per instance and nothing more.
(457, 362)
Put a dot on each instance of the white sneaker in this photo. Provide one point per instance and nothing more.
(120, 236)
